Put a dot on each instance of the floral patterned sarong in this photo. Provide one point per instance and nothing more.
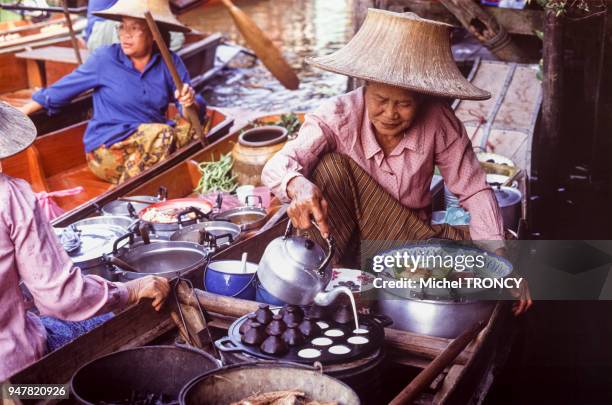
(149, 145)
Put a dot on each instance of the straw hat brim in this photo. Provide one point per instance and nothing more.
(137, 10)
(402, 50)
(17, 131)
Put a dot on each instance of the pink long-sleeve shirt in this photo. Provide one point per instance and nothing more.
(30, 252)
(437, 138)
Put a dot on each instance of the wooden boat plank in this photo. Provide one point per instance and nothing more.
(222, 125)
(53, 53)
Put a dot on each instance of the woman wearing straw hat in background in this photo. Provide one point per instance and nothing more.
(31, 254)
(101, 31)
(132, 88)
(363, 162)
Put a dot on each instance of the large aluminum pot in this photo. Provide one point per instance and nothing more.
(130, 206)
(442, 313)
(445, 319)
(157, 370)
(160, 258)
(232, 384)
(96, 238)
(214, 233)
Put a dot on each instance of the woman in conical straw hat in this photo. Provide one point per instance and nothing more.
(32, 256)
(132, 88)
(102, 31)
(363, 162)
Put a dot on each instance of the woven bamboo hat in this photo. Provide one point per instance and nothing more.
(160, 10)
(403, 50)
(17, 131)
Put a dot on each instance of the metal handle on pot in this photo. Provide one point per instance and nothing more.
(199, 215)
(257, 197)
(230, 348)
(331, 247)
(162, 194)
(144, 231)
(129, 235)
(382, 320)
(131, 210)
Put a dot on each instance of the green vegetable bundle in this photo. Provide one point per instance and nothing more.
(217, 175)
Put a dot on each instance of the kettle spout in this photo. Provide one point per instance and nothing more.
(324, 299)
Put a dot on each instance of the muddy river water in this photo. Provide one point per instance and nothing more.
(300, 28)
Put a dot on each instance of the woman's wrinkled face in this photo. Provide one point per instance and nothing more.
(391, 110)
(135, 37)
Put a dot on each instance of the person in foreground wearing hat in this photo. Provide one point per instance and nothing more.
(30, 254)
(132, 88)
(363, 162)
(100, 31)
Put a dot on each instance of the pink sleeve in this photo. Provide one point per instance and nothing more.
(58, 287)
(299, 156)
(465, 178)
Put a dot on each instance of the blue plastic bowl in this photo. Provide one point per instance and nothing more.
(262, 295)
(225, 277)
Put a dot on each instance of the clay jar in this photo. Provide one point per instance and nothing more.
(293, 336)
(254, 148)
(274, 344)
(246, 325)
(293, 314)
(277, 326)
(263, 314)
(255, 335)
(309, 328)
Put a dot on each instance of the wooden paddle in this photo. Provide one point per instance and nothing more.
(443, 360)
(263, 47)
(191, 112)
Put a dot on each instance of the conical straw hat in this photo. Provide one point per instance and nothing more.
(160, 10)
(17, 131)
(403, 50)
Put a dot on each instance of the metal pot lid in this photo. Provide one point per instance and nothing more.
(245, 217)
(113, 220)
(191, 233)
(507, 196)
(304, 252)
(119, 207)
(165, 257)
(96, 241)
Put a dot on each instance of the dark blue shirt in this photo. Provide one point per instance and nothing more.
(93, 6)
(123, 97)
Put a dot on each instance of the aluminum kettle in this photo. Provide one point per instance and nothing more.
(296, 270)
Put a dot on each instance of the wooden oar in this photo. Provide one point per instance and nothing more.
(443, 360)
(75, 43)
(191, 112)
(263, 47)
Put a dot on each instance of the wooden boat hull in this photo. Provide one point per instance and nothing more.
(22, 76)
(179, 175)
(57, 162)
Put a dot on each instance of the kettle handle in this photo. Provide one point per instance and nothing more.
(331, 247)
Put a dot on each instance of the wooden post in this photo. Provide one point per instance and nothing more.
(73, 39)
(549, 140)
(485, 28)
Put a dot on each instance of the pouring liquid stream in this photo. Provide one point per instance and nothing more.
(347, 291)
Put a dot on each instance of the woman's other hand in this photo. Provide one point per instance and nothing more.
(186, 96)
(30, 107)
(156, 288)
(307, 201)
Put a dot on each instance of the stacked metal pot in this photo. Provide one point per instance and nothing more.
(155, 236)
